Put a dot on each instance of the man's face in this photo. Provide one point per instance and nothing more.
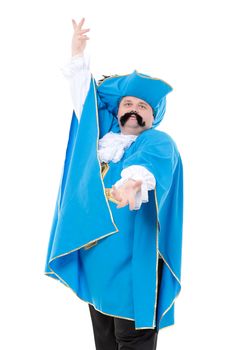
(134, 124)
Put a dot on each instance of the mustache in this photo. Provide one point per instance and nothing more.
(126, 116)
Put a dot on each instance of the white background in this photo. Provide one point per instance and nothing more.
(193, 46)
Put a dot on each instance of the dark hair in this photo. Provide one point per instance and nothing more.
(105, 77)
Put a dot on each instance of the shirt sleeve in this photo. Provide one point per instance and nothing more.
(138, 172)
(77, 72)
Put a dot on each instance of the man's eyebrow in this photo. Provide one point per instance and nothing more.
(141, 102)
(126, 100)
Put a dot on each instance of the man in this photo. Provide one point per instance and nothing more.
(117, 228)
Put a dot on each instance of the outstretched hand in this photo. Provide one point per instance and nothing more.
(126, 193)
(79, 38)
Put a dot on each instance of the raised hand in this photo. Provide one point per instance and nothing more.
(79, 38)
(126, 193)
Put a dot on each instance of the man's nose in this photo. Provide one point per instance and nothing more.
(135, 109)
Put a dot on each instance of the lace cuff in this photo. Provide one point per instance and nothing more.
(77, 72)
(138, 172)
(77, 63)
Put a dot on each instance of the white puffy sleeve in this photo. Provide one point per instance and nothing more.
(77, 72)
(138, 172)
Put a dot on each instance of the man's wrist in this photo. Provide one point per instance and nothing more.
(77, 54)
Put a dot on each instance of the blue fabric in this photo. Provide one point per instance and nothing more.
(118, 274)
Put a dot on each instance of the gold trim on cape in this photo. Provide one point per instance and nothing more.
(165, 312)
(157, 261)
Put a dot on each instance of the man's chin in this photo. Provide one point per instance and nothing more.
(132, 128)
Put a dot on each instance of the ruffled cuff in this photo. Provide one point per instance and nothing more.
(77, 63)
(138, 172)
(77, 72)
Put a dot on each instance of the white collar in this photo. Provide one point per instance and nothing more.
(112, 146)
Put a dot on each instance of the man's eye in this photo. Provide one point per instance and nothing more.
(128, 104)
(142, 106)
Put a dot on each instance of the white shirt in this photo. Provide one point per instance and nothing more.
(111, 146)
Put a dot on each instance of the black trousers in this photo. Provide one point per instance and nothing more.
(114, 333)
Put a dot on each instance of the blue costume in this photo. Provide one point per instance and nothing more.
(108, 256)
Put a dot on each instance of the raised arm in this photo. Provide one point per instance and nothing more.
(77, 70)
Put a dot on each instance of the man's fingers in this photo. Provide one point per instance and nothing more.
(77, 27)
(74, 24)
(127, 201)
(83, 37)
(81, 23)
(124, 198)
(116, 194)
(83, 31)
(122, 204)
(131, 203)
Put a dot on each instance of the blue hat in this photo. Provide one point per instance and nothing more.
(152, 90)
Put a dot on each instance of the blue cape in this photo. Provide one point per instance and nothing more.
(79, 219)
